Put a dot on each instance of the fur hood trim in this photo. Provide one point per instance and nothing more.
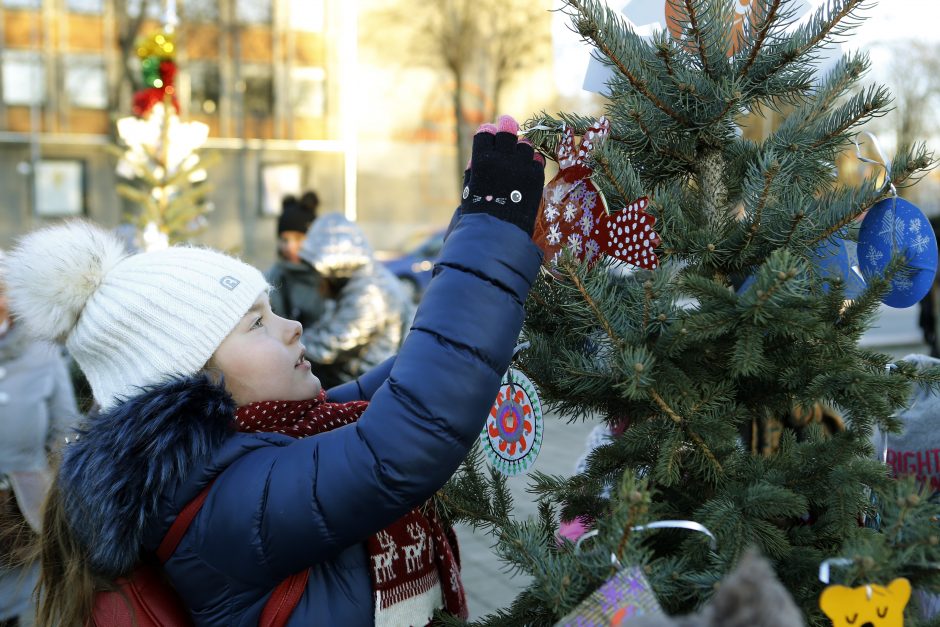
(125, 460)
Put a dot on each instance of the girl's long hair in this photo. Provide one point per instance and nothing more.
(65, 593)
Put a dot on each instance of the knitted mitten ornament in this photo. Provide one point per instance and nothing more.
(505, 176)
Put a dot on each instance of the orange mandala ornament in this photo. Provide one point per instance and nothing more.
(512, 435)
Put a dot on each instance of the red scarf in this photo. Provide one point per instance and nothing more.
(414, 563)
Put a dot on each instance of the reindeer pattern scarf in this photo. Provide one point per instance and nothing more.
(413, 562)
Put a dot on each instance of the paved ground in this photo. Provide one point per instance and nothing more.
(487, 586)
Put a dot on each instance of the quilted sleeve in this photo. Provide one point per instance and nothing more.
(304, 503)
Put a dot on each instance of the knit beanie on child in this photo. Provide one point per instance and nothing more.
(129, 321)
(294, 217)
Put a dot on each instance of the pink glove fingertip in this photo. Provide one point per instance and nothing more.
(538, 157)
(489, 127)
(507, 124)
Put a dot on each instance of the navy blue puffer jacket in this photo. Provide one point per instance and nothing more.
(280, 505)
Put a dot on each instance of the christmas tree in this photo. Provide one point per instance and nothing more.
(158, 154)
(730, 360)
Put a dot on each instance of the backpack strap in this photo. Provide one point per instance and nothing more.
(283, 600)
(181, 525)
(286, 595)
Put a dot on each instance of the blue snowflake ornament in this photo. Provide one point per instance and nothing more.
(893, 227)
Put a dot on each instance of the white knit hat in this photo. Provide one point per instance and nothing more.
(128, 320)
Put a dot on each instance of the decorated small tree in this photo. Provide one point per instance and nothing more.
(158, 153)
(726, 359)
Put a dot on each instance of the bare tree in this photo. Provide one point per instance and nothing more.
(492, 39)
(913, 74)
(129, 18)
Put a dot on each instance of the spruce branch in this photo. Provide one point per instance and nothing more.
(795, 222)
(651, 141)
(601, 37)
(571, 270)
(691, 13)
(829, 27)
(676, 418)
(664, 52)
(858, 110)
(767, 20)
(770, 175)
(830, 20)
(611, 178)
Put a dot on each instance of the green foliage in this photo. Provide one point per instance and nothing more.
(698, 368)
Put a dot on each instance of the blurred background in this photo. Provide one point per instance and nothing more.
(369, 103)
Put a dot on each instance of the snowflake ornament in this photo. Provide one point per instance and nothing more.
(587, 223)
(894, 228)
(551, 212)
(574, 243)
(571, 210)
(626, 235)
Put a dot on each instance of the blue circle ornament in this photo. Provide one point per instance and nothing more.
(512, 435)
(834, 261)
(892, 227)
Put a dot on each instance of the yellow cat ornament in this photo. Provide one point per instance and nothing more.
(869, 605)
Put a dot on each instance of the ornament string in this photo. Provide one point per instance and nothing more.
(690, 525)
(825, 566)
(889, 368)
(519, 347)
(543, 127)
(888, 184)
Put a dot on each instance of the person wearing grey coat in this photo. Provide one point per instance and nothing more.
(366, 313)
(37, 408)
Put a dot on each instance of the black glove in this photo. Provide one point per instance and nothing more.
(505, 177)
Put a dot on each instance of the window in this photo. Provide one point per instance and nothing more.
(306, 15)
(199, 10)
(308, 92)
(258, 97)
(86, 82)
(24, 78)
(60, 188)
(278, 180)
(86, 6)
(204, 86)
(253, 11)
(154, 8)
(21, 4)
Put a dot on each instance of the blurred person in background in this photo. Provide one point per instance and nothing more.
(37, 408)
(929, 306)
(366, 312)
(297, 293)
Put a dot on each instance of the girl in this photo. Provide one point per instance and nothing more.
(181, 348)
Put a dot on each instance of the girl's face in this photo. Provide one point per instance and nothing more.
(262, 359)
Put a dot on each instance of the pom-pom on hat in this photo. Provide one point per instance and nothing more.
(128, 320)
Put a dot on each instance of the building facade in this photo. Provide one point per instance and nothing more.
(262, 74)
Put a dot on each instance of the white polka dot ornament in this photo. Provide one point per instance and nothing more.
(574, 213)
(512, 435)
